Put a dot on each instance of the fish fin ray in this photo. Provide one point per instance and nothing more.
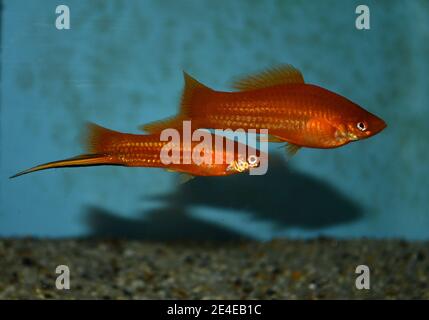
(286, 74)
(326, 130)
(78, 161)
(191, 86)
(185, 177)
(291, 149)
(98, 141)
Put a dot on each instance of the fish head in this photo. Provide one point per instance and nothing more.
(361, 125)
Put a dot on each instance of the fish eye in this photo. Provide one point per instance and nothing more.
(361, 126)
(253, 160)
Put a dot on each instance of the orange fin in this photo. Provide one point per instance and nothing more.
(185, 177)
(191, 87)
(291, 149)
(100, 139)
(326, 131)
(79, 161)
(99, 142)
(286, 74)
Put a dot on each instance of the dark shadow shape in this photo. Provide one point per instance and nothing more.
(283, 196)
(163, 224)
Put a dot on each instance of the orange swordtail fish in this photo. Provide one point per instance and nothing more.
(108, 147)
(304, 115)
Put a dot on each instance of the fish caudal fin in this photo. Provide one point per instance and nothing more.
(187, 102)
(79, 161)
(99, 143)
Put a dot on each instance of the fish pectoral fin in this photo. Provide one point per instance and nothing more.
(285, 74)
(269, 138)
(324, 131)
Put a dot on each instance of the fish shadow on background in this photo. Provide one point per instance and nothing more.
(160, 224)
(284, 197)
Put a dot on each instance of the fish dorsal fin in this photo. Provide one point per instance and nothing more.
(99, 139)
(191, 86)
(285, 74)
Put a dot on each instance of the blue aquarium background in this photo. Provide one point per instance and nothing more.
(120, 65)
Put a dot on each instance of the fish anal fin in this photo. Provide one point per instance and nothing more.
(291, 149)
(285, 74)
(192, 86)
(185, 177)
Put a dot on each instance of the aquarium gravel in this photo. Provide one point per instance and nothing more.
(279, 269)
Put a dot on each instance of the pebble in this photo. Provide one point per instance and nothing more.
(280, 269)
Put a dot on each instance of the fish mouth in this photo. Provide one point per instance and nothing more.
(378, 126)
(383, 126)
